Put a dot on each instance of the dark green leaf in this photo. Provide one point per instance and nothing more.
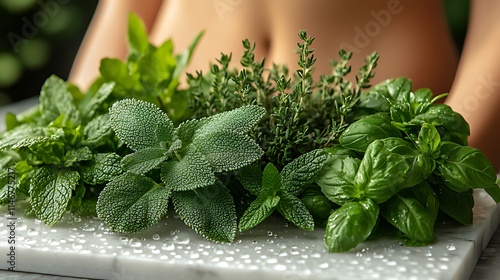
(250, 177)
(102, 169)
(261, 208)
(302, 171)
(411, 218)
(56, 100)
(336, 179)
(350, 225)
(209, 211)
(366, 130)
(464, 167)
(457, 205)
(381, 173)
(132, 202)
(77, 155)
(494, 192)
(98, 131)
(295, 211)
(50, 192)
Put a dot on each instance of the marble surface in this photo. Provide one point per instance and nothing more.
(85, 248)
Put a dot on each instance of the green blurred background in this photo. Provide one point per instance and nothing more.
(56, 32)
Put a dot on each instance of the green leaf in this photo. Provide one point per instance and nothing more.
(114, 70)
(464, 167)
(250, 177)
(295, 211)
(102, 169)
(12, 137)
(75, 203)
(209, 211)
(302, 171)
(426, 196)
(56, 100)
(429, 140)
(97, 132)
(156, 68)
(77, 155)
(144, 160)
(93, 102)
(457, 205)
(191, 172)
(132, 202)
(261, 208)
(337, 179)
(388, 92)
(138, 40)
(45, 149)
(50, 192)
(441, 115)
(227, 150)
(350, 225)
(318, 205)
(183, 59)
(141, 124)
(411, 218)
(494, 192)
(366, 130)
(381, 173)
(271, 179)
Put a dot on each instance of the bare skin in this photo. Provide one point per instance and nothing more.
(411, 37)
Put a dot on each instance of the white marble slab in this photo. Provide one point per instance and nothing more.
(85, 248)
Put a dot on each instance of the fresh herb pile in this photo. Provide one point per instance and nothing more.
(233, 147)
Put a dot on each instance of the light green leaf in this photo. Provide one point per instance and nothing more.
(295, 211)
(191, 172)
(350, 225)
(261, 208)
(51, 191)
(209, 211)
(56, 100)
(227, 150)
(144, 160)
(183, 59)
(429, 140)
(102, 169)
(93, 102)
(114, 70)
(239, 120)
(156, 68)
(141, 124)
(271, 179)
(302, 171)
(132, 202)
(138, 40)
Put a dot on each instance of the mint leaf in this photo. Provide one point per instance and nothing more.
(191, 172)
(114, 70)
(295, 211)
(261, 208)
(250, 177)
(302, 171)
(12, 137)
(97, 132)
(209, 211)
(138, 41)
(141, 124)
(132, 202)
(93, 102)
(156, 67)
(76, 155)
(143, 160)
(103, 168)
(50, 192)
(56, 100)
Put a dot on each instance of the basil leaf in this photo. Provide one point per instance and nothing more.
(429, 140)
(411, 218)
(366, 130)
(350, 225)
(457, 205)
(336, 179)
(463, 167)
(381, 173)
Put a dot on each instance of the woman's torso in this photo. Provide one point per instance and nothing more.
(412, 37)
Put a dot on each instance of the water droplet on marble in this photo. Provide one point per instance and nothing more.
(76, 246)
(178, 239)
(156, 237)
(451, 247)
(37, 221)
(32, 232)
(134, 242)
(169, 246)
(280, 267)
(124, 239)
